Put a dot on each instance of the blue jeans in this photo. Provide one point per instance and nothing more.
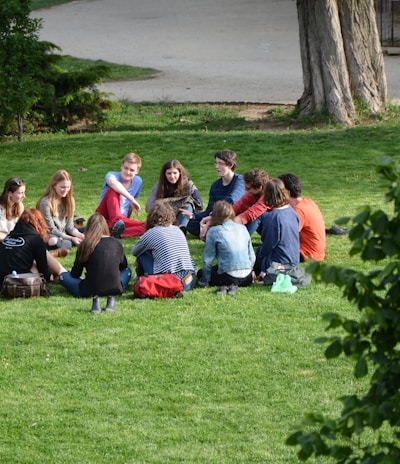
(182, 220)
(255, 225)
(144, 265)
(72, 284)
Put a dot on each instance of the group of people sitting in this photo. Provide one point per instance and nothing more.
(291, 229)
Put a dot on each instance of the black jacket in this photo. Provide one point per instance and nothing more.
(20, 249)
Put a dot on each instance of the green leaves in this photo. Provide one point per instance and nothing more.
(372, 341)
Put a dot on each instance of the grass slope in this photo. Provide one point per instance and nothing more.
(202, 379)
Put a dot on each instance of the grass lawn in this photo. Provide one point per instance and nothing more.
(202, 379)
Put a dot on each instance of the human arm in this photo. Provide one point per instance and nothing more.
(116, 185)
(152, 197)
(209, 254)
(77, 269)
(236, 190)
(248, 211)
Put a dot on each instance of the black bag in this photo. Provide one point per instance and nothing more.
(24, 285)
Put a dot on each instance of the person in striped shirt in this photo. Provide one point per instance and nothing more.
(163, 247)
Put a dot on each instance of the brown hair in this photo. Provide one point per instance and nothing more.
(221, 212)
(13, 210)
(275, 194)
(229, 157)
(96, 228)
(160, 214)
(34, 217)
(67, 202)
(133, 158)
(256, 178)
(164, 187)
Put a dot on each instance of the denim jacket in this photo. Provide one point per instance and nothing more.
(231, 245)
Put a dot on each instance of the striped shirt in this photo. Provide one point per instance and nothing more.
(169, 248)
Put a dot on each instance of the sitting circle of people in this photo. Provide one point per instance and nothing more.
(291, 229)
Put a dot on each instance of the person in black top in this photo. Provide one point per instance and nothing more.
(103, 257)
(24, 248)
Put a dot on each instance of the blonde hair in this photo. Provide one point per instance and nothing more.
(133, 158)
(54, 200)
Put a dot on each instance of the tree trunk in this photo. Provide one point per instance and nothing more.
(341, 57)
(20, 127)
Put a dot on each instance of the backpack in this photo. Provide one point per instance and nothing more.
(24, 285)
(158, 286)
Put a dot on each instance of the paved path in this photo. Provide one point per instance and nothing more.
(206, 50)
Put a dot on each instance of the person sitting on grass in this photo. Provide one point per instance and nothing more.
(228, 187)
(250, 208)
(57, 205)
(312, 225)
(107, 271)
(11, 205)
(24, 249)
(230, 244)
(176, 188)
(163, 247)
(118, 198)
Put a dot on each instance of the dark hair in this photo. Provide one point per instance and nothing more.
(228, 156)
(164, 187)
(256, 178)
(13, 210)
(96, 228)
(161, 214)
(221, 212)
(275, 194)
(292, 183)
(34, 217)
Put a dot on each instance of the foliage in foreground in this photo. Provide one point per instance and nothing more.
(367, 431)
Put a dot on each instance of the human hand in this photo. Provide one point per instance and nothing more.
(203, 232)
(135, 206)
(186, 213)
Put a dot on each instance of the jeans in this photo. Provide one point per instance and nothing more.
(72, 284)
(145, 266)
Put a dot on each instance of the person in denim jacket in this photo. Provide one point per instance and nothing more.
(230, 244)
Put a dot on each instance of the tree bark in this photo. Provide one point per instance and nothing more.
(341, 57)
(20, 127)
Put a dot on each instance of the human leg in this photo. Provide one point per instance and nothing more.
(125, 276)
(144, 264)
(189, 281)
(193, 226)
(183, 220)
(72, 284)
(54, 266)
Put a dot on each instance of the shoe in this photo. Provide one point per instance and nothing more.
(336, 230)
(118, 229)
(59, 252)
(111, 306)
(232, 289)
(221, 290)
(96, 308)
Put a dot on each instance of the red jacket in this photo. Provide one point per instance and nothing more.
(250, 207)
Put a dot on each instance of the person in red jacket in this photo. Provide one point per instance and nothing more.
(312, 224)
(249, 209)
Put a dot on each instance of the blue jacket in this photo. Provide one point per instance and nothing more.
(231, 245)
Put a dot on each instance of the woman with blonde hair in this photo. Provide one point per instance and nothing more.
(103, 257)
(57, 205)
(24, 248)
(229, 243)
(11, 204)
(178, 190)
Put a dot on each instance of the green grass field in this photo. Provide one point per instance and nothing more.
(202, 379)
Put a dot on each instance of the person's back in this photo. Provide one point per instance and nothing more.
(102, 269)
(312, 230)
(232, 242)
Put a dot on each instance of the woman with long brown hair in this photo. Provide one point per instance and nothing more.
(178, 190)
(57, 205)
(103, 257)
(11, 204)
(24, 248)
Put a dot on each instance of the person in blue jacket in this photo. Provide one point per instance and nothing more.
(229, 187)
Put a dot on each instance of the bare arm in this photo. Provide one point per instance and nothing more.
(113, 183)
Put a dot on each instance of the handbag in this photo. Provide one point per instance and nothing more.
(24, 285)
(158, 286)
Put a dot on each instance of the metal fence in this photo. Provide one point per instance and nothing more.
(388, 20)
